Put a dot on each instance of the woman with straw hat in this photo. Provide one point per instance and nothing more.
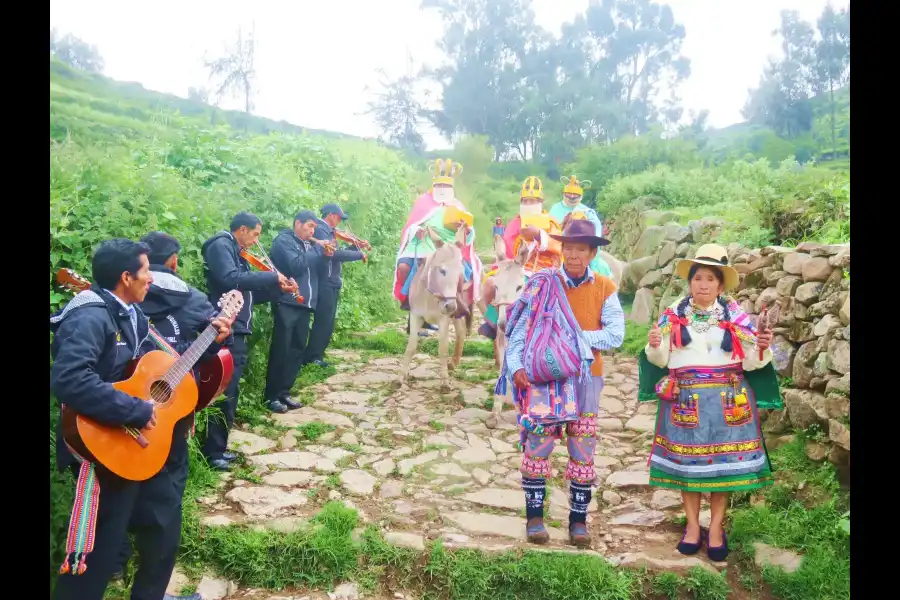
(711, 370)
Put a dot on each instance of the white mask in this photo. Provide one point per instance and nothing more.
(530, 210)
(443, 195)
(572, 203)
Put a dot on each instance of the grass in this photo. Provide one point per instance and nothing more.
(635, 338)
(314, 430)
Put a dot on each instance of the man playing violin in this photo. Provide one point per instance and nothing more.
(330, 281)
(96, 336)
(297, 255)
(227, 270)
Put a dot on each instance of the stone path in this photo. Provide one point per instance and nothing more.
(423, 465)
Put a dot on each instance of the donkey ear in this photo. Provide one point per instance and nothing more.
(522, 255)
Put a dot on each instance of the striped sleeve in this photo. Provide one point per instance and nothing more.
(613, 333)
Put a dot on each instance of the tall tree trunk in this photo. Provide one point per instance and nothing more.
(833, 126)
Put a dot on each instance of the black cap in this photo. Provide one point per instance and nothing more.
(304, 216)
(334, 209)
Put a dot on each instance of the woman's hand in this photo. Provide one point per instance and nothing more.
(520, 379)
(530, 233)
(654, 338)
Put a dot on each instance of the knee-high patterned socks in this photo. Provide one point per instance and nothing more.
(581, 441)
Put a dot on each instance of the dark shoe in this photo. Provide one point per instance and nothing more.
(717, 553)
(188, 597)
(220, 464)
(487, 331)
(229, 456)
(430, 327)
(404, 305)
(537, 533)
(290, 403)
(687, 548)
(424, 333)
(276, 406)
(578, 535)
(321, 363)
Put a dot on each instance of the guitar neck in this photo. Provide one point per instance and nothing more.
(190, 357)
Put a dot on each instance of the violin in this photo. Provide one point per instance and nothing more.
(352, 238)
(265, 264)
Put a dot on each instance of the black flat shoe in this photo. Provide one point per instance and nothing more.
(229, 456)
(321, 363)
(276, 406)
(291, 404)
(188, 597)
(220, 464)
(717, 553)
(687, 548)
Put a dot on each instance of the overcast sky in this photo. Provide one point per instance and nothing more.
(316, 58)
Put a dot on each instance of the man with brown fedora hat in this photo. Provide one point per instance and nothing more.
(598, 313)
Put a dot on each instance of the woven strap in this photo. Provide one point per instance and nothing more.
(83, 522)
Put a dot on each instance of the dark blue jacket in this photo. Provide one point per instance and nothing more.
(92, 345)
(300, 260)
(330, 272)
(226, 271)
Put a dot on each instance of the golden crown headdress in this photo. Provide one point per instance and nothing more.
(532, 188)
(573, 186)
(443, 170)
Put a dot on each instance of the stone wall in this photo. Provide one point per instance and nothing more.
(811, 286)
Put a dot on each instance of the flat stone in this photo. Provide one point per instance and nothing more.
(499, 525)
(285, 524)
(384, 467)
(391, 489)
(776, 557)
(350, 439)
(657, 563)
(373, 377)
(470, 456)
(407, 464)
(310, 415)
(438, 440)
(345, 591)
(288, 478)
(611, 498)
(611, 405)
(610, 424)
(211, 588)
(347, 397)
(472, 414)
(623, 479)
(405, 540)
(643, 518)
(305, 461)
(248, 443)
(497, 498)
(641, 423)
(217, 521)
(481, 476)
(450, 468)
(663, 499)
(501, 447)
(357, 482)
(265, 501)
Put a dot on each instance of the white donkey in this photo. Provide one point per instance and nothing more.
(433, 298)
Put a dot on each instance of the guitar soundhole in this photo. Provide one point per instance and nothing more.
(160, 391)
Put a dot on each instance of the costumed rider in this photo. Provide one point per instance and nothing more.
(571, 204)
(533, 227)
(438, 211)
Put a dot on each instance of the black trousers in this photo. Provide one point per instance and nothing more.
(323, 324)
(151, 510)
(286, 352)
(217, 431)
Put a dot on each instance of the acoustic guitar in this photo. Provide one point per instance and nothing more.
(158, 378)
(213, 375)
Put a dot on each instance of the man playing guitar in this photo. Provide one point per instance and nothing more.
(96, 335)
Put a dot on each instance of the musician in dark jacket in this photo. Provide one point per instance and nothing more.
(226, 270)
(298, 255)
(330, 284)
(96, 335)
(179, 313)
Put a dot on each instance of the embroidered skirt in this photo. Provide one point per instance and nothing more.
(708, 439)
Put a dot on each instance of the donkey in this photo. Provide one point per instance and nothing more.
(508, 282)
(433, 298)
(615, 265)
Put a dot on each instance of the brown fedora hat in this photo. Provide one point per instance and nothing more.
(581, 231)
